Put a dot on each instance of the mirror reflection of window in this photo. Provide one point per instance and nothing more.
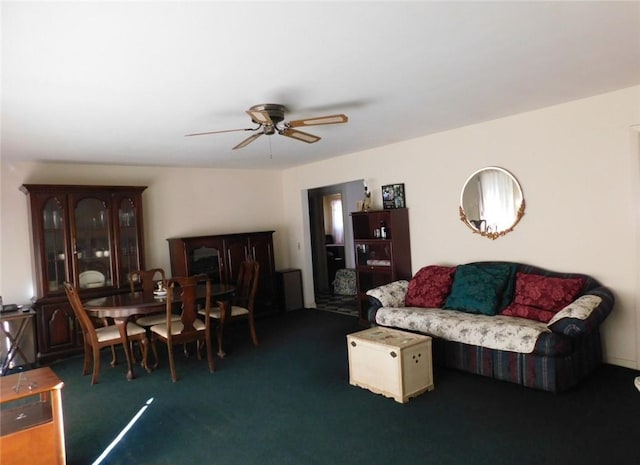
(497, 200)
(491, 202)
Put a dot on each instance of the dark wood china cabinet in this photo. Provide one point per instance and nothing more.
(220, 256)
(91, 236)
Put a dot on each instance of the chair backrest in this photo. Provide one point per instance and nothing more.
(147, 278)
(247, 284)
(88, 329)
(187, 287)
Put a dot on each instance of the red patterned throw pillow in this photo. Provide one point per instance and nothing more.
(540, 297)
(430, 287)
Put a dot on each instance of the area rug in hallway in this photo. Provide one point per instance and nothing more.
(345, 304)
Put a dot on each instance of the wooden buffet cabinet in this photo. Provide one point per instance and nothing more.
(31, 417)
(219, 256)
(91, 236)
(380, 260)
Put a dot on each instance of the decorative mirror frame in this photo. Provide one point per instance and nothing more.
(493, 235)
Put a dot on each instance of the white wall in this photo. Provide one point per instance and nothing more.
(177, 202)
(579, 174)
(577, 162)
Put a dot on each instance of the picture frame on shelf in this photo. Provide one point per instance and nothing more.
(393, 196)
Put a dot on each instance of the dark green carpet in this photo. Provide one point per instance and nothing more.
(289, 401)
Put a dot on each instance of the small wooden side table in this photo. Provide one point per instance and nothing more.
(17, 329)
(31, 422)
(390, 362)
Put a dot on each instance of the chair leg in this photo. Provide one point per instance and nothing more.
(252, 328)
(155, 352)
(88, 350)
(114, 356)
(96, 366)
(219, 333)
(172, 364)
(207, 343)
(198, 352)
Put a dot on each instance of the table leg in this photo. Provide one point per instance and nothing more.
(121, 323)
(14, 345)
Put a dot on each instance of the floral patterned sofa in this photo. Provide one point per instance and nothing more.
(505, 320)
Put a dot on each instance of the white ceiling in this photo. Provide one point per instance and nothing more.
(123, 82)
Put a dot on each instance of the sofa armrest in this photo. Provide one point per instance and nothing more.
(390, 295)
(584, 314)
(387, 295)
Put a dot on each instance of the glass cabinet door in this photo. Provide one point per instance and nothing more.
(205, 259)
(129, 247)
(55, 256)
(92, 248)
(374, 254)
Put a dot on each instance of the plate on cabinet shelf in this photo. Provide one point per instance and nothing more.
(91, 278)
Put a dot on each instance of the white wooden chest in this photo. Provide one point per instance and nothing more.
(390, 362)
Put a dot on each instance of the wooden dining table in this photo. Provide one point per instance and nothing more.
(122, 307)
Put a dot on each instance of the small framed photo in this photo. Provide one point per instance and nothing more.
(393, 196)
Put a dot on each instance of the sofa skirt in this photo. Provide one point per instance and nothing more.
(554, 374)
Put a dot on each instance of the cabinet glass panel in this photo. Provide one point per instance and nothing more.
(374, 254)
(54, 234)
(92, 243)
(369, 225)
(205, 260)
(128, 226)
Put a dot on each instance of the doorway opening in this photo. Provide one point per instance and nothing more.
(332, 240)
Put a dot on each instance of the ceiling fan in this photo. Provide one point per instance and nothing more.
(270, 119)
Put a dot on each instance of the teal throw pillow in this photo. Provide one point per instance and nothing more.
(479, 288)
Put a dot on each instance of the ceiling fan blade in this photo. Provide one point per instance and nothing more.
(260, 117)
(218, 132)
(303, 136)
(331, 119)
(247, 141)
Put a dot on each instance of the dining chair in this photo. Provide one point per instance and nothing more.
(241, 305)
(96, 338)
(147, 279)
(189, 328)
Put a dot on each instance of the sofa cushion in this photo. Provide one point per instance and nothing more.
(528, 312)
(540, 297)
(493, 332)
(478, 288)
(430, 286)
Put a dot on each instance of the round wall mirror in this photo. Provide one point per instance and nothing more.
(491, 202)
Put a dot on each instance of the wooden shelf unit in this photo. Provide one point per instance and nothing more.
(380, 261)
